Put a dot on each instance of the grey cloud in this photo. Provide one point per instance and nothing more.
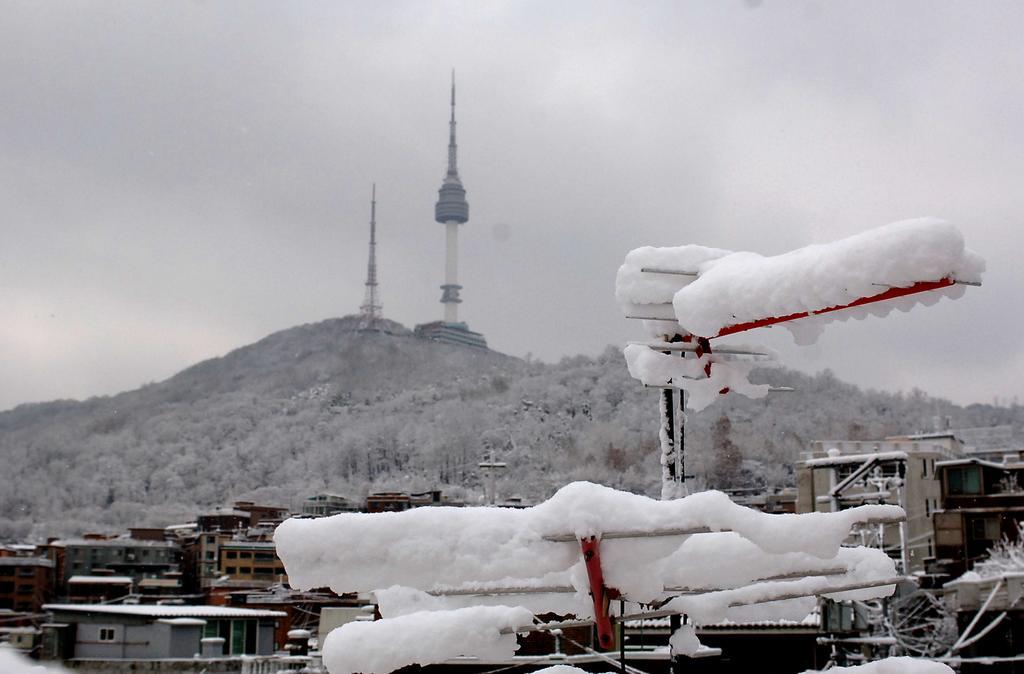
(203, 169)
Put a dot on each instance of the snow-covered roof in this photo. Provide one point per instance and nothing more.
(113, 542)
(164, 611)
(812, 619)
(855, 458)
(26, 561)
(104, 580)
(183, 622)
(980, 462)
(226, 511)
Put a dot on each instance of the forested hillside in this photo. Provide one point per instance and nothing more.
(324, 407)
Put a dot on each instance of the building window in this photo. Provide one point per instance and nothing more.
(106, 634)
(245, 569)
(963, 481)
(209, 554)
(231, 570)
(924, 467)
(231, 554)
(985, 528)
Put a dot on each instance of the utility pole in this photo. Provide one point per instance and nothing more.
(490, 465)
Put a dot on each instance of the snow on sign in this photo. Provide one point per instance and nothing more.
(464, 581)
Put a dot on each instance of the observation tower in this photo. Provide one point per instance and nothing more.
(451, 210)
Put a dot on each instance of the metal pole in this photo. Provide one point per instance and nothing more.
(671, 436)
(622, 638)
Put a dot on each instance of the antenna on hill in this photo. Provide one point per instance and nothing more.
(369, 312)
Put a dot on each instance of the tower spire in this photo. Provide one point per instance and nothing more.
(453, 169)
(370, 310)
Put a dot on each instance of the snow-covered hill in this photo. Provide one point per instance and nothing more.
(323, 406)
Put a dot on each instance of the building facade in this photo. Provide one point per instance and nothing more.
(839, 474)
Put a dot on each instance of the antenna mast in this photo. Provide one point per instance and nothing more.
(369, 312)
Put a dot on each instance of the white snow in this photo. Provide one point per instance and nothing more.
(428, 547)
(840, 459)
(654, 368)
(740, 287)
(561, 669)
(425, 637)
(485, 549)
(13, 662)
(684, 641)
(893, 666)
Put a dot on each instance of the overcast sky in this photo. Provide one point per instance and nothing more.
(178, 179)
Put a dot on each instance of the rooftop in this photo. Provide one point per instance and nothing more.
(26, 561)
(101, 580)
(839, 459)
(112, 543)
(164, 611)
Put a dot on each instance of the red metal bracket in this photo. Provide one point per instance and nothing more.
(891, 293)
(591, 548)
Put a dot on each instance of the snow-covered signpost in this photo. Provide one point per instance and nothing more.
(464, 581)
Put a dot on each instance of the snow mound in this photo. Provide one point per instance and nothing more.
(425, 637)
(12, 662)
(460, 581)
(427, 548)
(893, 666)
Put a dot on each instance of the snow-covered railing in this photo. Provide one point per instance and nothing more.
(464, 581)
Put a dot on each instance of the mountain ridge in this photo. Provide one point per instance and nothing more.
(322, 406)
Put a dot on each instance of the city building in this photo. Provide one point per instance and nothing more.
(26, 583)
(154, 632)
(900, 470)
(982, 502)
(93, 556)
(99, 589)
(394, 501)
(252, 563)
(326, 504)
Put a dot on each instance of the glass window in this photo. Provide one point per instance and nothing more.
(237, 637)
(231, 554)
(966, 480)
(985, 528)
(106, 634)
